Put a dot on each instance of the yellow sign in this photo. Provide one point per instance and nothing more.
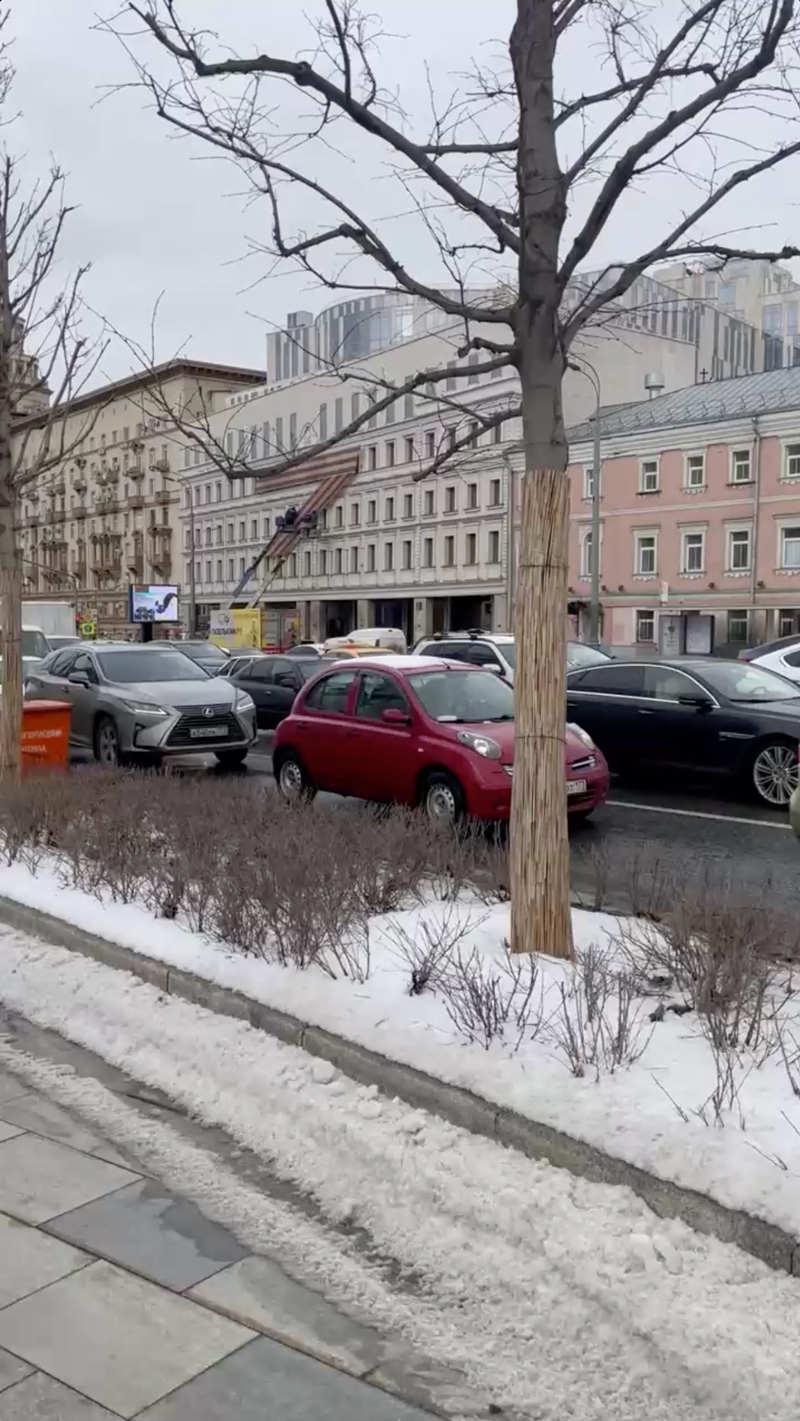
(87, 629)
(241, 627)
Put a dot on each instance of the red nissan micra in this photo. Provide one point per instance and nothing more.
(417, 730)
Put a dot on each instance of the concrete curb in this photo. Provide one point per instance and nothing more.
(775, 1247)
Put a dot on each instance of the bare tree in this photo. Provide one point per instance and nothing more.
(44, 364)
(516, 176)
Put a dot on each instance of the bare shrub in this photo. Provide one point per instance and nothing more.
(389, 850)
(600, 1023)
(650, 883)
(488, 1001)
(427, 947)
(32, 813)
(596, 860)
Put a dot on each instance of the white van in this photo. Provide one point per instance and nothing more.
(385, 638)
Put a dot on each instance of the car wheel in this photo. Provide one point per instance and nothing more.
(106, 743)
(443, 798)
(775, 773)
(292, 779)
(231, 759)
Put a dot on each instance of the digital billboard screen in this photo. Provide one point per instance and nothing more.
(153, 604)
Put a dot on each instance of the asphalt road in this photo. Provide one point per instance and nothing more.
(648, 842)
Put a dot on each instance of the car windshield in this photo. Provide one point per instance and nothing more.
(579, 655)
(33, 642)
(508, 651)
(470, 696)
(133, 666)
(57, 643)
(201, 651)
(741, 681)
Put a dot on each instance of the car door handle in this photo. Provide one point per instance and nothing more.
(650, 712)
(353, 734)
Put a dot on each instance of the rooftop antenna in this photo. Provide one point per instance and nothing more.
(654, 383)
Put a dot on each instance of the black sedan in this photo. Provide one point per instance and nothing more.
(273, 682)
(699, 715)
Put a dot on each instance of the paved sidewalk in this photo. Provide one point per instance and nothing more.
(119, 1299)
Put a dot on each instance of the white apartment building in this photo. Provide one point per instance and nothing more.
(764, 294)
(105, 516)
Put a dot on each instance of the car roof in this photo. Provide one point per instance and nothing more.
(499, 638)
(408, 665)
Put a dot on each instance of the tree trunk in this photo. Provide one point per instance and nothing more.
(540, 915)
(10, 645)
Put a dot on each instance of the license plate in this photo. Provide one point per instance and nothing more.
(208, 732)
(576, 787)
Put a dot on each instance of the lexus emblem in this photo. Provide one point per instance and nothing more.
(208, 712)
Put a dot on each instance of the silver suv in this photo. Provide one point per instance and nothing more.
(142, 703)
(498, 651)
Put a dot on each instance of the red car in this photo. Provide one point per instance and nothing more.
(417, 730)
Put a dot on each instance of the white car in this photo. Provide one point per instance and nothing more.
(497, 651)
(781, 656)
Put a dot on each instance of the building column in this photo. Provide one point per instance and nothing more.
(314, 621)
(500, 620)
(364, 613)
(423, 617)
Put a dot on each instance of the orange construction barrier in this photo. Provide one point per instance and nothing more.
(45, 734)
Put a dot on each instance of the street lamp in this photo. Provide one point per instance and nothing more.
(587, 369)
(192, 581)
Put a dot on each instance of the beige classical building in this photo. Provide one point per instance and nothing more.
(105, 515)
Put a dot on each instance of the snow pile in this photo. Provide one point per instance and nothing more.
(644, 1111)
(557, 1297)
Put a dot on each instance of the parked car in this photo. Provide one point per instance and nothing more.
(418, 730)
(782, 657)
(498, 651)
(794, 811)
(141, 703)
(701, 715)
(57, 643)
(273, 682)
(203, 653)
(35, 647)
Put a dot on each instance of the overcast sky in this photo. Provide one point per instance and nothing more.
(155, 214)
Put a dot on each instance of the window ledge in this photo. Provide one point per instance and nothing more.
(740, 483)
(694, 488)
(648, 492)
(738, 571)
(693, 576)
(790, 479)
(787, 571)
(645, 577)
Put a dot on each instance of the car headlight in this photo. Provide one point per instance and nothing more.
(582, 735)
(145, 708)
(481, 744)
(245, 703)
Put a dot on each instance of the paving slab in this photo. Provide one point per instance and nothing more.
(267, 1382)
(35, 1112)
(258, 1293)
(155, 1233)
(12, 1370)
(40, 1179)
(119, 1340)
(29, 1260)
(7, 1132)
(42, 1399)
(11, 1087)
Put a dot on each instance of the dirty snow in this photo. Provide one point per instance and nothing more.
(559, 1298)
(633, 1114)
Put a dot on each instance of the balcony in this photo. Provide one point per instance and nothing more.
(79, 485)
(164, 496)
(80, 510)
(136, 568)
(135, 472)
(161, 466)
(33, 520)
(59, 486)
(163, 567)
(59, 515)
(162, 528)
(112, 476)
(135, 500)
(106, 505)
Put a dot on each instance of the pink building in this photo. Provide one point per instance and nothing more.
(700, 513)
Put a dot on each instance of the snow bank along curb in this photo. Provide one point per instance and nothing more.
(774, 1246)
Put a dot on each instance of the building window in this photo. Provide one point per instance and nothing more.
(279, 433)
(430, 505)
(646, 554)
(208, 571)
(389, 511)
(494, 493)
(474, 434)
(472, 549)
(306, 564)
(370, 557)
(586, 552)
(588, 483)
(372, 511)
(266, 528)
(739, 550)
(338, 516)
(790, 547)
(388, 557)
(355, 515)
(648, 476)
(241, 531)
(427, 553)
(494, 546)
(338, 416)
(219, 569)
(323, 562)
(450, 382)
(695, 475)
(740, 466)
(792, 469)
(323, 421)
(472, 495)
(230, 569)
(693, 552)
(292, 430)
(372, 456)
(229, 531)
(411, 452)
(430, 444)
(408, 405)
(217, 492)
(646, 626)
(407, 554)
(338, 561)
(449, 552)
(254, 530)
(408, 505)
(292, 565)
(390, 451)
(450, 499)
(473, 374)
(354, 559)
(739, 627)
(497, 433)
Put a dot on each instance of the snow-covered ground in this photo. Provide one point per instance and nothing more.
(560, 1299)
(645, 1113)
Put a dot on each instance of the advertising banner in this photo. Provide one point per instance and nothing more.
(153, 604)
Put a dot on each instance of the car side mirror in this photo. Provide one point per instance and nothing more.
(394, 716)
(700, 703)
(494, 666)
(288, 681)
(79, 678)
